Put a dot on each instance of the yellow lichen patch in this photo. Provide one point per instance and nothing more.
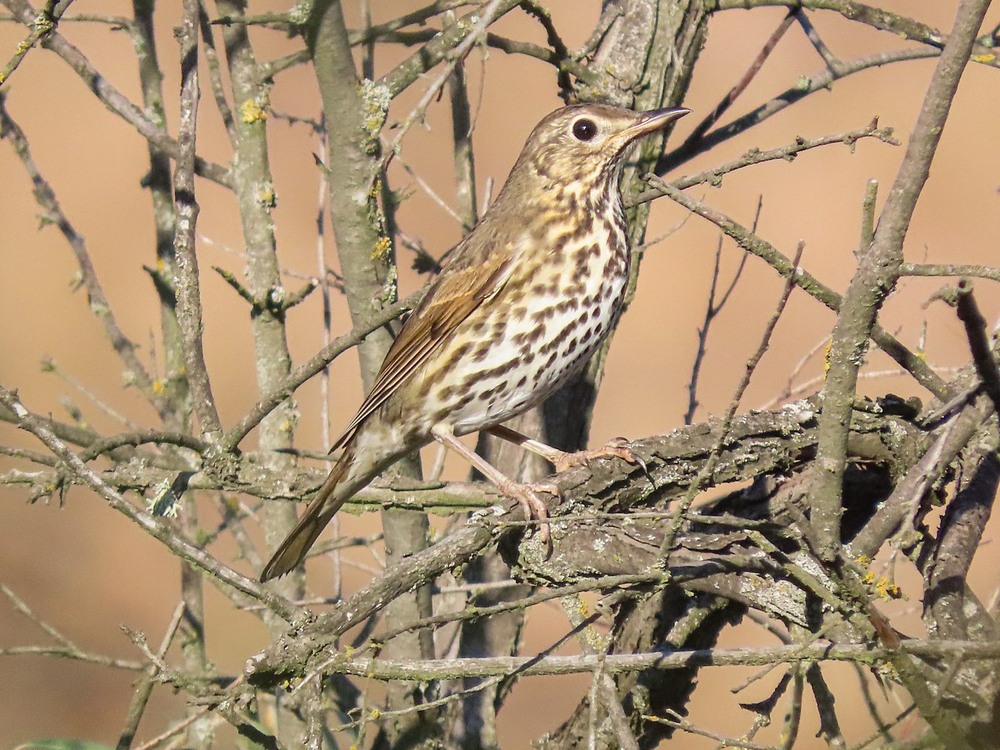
(883, 587)
(252, 110)
(267, 197)
(380, 251)
(375, 99)
(887, 589)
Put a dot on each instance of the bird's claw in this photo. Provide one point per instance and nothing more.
(533, 507)
(619, 446)
(615, 448)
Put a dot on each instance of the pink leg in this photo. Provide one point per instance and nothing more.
(534, 508)
(563, 460)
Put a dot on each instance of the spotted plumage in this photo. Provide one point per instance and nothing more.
(520, 306)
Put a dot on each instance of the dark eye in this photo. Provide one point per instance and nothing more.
(584, 129)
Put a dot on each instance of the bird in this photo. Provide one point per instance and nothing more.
(518, 308)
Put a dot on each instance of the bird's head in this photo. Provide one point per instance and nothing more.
(585, 145)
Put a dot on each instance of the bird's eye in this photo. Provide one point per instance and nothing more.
(584, 129)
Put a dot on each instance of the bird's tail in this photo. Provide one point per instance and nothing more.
(328, 501)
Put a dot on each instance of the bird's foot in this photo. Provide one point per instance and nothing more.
(532, 505)
(614, 448)
(562, 460)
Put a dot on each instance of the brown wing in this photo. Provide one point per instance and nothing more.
(462, 287)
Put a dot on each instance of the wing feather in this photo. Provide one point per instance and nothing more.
(458, 291)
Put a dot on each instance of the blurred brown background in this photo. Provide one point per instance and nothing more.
(87, 570)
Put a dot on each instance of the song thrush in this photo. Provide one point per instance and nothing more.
(518, 308)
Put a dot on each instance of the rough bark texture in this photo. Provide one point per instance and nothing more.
(805, 496)
(355, 112)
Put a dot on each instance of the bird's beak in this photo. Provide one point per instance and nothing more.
(654, 119)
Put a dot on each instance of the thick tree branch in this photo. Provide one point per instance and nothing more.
(526, 666)
(188, 286)
(876, 275)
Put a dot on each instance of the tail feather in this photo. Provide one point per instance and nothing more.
(293, 549)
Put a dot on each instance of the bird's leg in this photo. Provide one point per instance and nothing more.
(534, 508)
(563, 460)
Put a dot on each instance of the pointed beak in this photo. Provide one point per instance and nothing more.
(654, 119)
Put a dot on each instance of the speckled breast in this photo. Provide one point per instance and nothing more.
(540, 329)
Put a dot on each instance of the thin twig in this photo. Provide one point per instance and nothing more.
(490, 13)
(266, 403)
(712, 310)
(674, 719)
(140, 698)
(831, 60)
(708, 467)
(463, 157)
(806, 86)
(883, 731)
(975, 332)
(175, 729)
(442, 45)
(793, 714)
(28, 455)
(66, 649)
(912, 363)
(667, 659)
(789, 152)
(156, 527)
(43, 25)
(950, 269)
(215, 75)
(50, 365)
(98, 301)
(691, 143)
(112, 98)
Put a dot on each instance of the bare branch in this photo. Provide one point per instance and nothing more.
(189, 314)
(529, 666)
(878, 270)
(43, 25)
(714, 176)
(156, 527)
(975, 331)
(691, 143)
(906, 359)
(438, 48)
(140, 698)
(99, 303)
